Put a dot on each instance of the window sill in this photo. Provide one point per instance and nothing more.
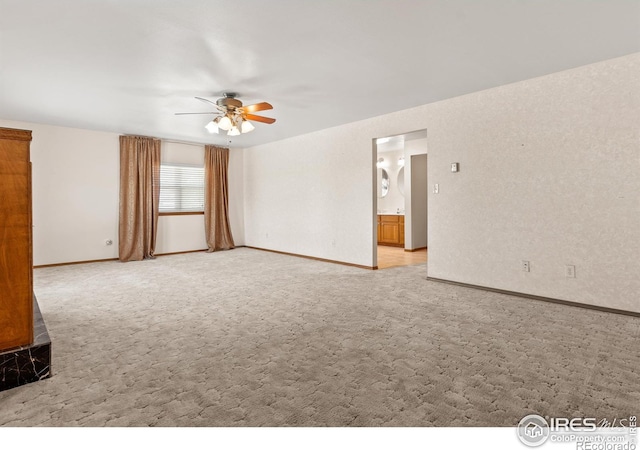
(182, 213)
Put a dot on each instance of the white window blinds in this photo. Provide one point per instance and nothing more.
(181, 188)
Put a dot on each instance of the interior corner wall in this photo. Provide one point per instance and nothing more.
(548, 174)
(75, 195)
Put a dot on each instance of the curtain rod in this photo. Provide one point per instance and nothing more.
(175, 141)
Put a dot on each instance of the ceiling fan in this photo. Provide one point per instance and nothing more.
(232, 116)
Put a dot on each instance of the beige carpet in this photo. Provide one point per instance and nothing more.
(251, 338)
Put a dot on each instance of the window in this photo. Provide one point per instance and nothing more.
(181, 188)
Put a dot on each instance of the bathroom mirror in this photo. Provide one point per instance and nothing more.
(401, 180)
(383, 183)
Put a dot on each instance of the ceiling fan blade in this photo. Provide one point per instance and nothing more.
(258, 118)
(257, 107)
(182, 114)
(207, 101)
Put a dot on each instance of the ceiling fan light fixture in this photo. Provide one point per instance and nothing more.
(231, 115)
(212, 127)
(225, 123)
(247, 126)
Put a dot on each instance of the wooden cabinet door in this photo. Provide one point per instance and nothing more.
(391, 230)
(389, 233)
(16, 286)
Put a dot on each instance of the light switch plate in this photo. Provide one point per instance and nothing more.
(455, 167)
(436, 188)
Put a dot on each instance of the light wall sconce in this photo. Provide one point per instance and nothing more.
(401, 161)
(380, 162)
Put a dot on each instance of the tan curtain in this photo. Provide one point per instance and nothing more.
(216, 199)
(139, 197)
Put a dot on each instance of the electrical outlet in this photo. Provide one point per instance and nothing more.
(526, 266)
(570, 271)
(436, 188)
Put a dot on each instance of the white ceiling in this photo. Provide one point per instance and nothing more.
(128, 66)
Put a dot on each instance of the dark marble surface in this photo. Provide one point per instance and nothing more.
(22, 365)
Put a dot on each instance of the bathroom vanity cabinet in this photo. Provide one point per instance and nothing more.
(391, 230)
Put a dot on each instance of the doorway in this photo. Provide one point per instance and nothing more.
(401, 200)
(395, 257)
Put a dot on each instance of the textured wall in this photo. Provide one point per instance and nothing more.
(549, 174)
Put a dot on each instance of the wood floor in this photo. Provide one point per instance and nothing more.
(395, 256)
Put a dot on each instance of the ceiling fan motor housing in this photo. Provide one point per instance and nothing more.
(229, 102)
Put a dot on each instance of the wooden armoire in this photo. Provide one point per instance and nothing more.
(16, 266)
